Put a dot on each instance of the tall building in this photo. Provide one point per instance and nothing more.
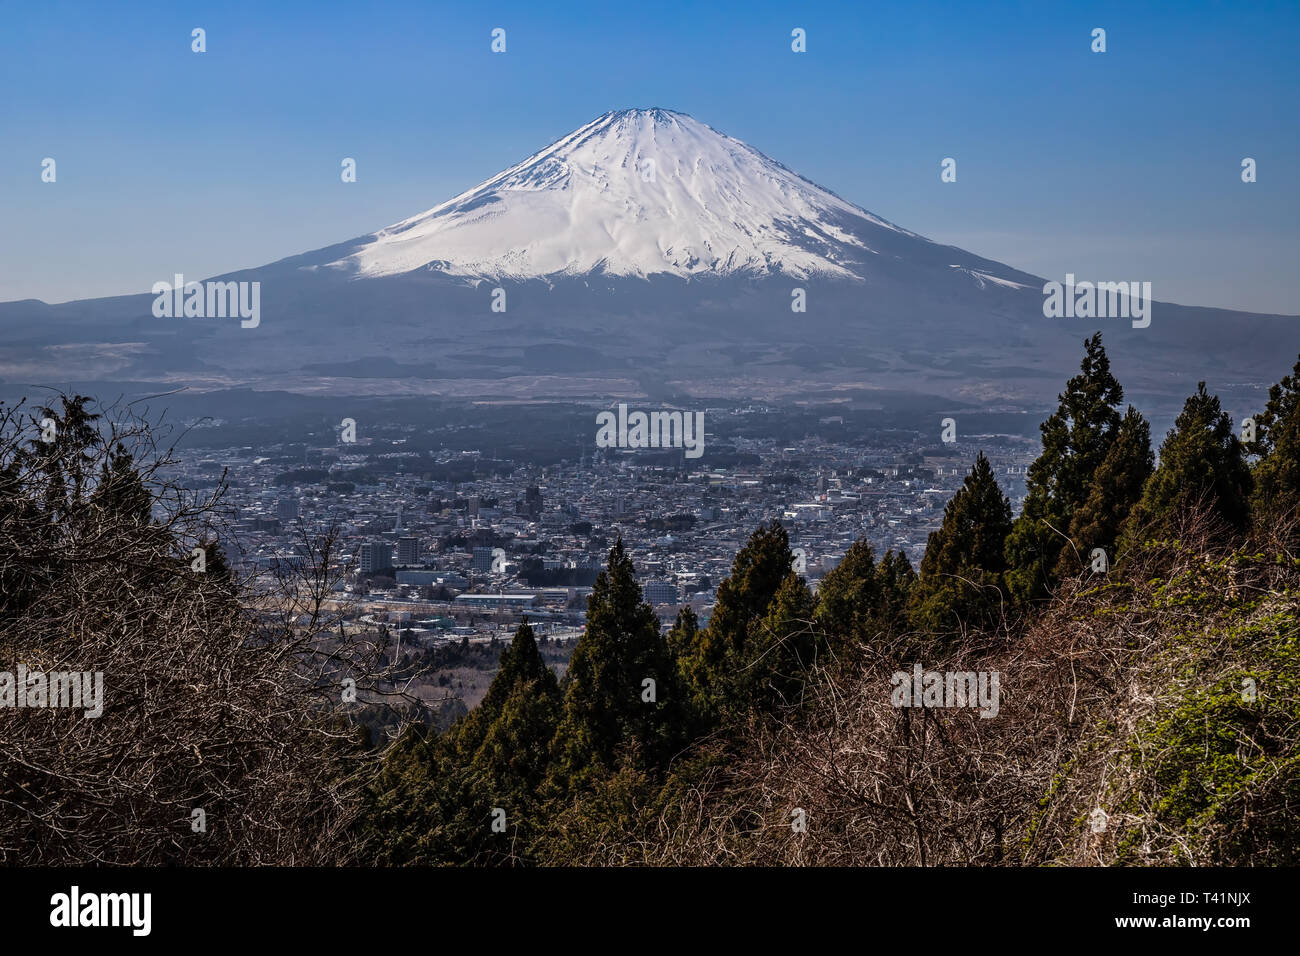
(660, 592)
(286, 510)
(376, 556)
(482, 559)
(533, 502)
(408, 550)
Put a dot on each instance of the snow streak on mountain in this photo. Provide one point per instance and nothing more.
(635, 193)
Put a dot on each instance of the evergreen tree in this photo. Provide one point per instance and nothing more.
(1076, 440)
(1115, 490)
(520, 663)
(782, 646)
(1276, 497)
(715, 668)
(860, 599)
(1202, 464)
(685, 631)
(897, 578)
(66, 461)
(121, 491)
(962, 574)
(434, 799)
(611, 715)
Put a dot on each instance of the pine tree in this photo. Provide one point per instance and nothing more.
(685, 631)
(859, 599)
(521, 662)
(715, 667)
(782, 647)
(897, 578)
(622, 701)
(1076, 440)
(1275, 501)
(1202, 465)
(1115, 490)
(962, 573)
(512, 760)
(434, 799)
(120, 491)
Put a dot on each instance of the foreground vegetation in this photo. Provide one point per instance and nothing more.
(1142, 619)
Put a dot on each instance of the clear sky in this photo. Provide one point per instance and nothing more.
(1122, 165)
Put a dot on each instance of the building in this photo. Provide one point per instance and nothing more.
(408, 550)
(483, 559)
(533, 502)
(286, 510)
(510, 599)
(660, 592)
(375, 556)
(418, 577)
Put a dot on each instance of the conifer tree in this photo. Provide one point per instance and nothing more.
(685, 631)
(66, 460)
(436, 795)
(1276, 496)
(897, 578)
(121, 491)
(520, 663)
(860, 599)
(1076, 439)
(782, 646)
(962, 574)
(1115, 490)
(622, 701)
(715, 666)
(1202, 464)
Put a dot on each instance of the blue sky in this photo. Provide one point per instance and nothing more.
(1122, 165)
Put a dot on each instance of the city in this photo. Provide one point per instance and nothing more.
(442, 562)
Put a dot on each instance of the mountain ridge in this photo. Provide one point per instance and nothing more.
(633, 193)
(683, 287)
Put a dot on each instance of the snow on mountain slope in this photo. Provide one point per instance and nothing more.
(634, 193)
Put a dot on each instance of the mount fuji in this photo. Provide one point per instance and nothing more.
(644, 253)
(635, 193)
(651, 193)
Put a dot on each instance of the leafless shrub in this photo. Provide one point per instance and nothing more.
(224, 737)
(891, 786)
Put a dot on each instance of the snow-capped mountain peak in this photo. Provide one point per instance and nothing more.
(637, 192)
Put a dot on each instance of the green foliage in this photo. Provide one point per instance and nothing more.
(1211, 772)
(608, 719)
(859, 600)
(780, 647)
(1276, 496)
(1076, 440)
(434, 799)
(1202, 465)
(722, 662)
(1114, 491)
(962, 574)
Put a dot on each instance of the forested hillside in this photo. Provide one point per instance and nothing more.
(1137, 625)
(1108, 678)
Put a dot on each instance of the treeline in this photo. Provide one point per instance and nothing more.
(1143, 617)
(663, 748)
